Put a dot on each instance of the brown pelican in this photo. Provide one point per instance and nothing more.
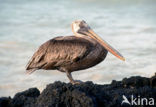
(72, 53)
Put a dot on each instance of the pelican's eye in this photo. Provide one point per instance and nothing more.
(83, 21)
(82, 25)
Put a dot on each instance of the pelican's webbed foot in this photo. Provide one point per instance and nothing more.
(75, 82)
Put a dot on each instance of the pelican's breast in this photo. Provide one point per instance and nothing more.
(96, 55)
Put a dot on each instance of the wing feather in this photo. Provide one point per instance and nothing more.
(60, 51)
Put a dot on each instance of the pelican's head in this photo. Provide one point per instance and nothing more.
(81, 28)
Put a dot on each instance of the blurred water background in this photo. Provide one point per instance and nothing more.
(128, 25)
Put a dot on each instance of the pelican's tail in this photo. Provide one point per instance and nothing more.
(30, 71)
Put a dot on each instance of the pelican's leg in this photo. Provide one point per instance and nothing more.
(71, 78)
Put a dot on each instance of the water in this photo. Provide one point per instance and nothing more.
(128, 25)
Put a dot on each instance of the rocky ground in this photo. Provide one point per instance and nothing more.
(87, 94)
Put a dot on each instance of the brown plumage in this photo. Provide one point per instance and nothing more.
(67, 53)
(71, 53)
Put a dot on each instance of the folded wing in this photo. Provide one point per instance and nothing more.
(60, 51)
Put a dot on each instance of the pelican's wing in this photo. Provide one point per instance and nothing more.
(59, 52)
(37, 60)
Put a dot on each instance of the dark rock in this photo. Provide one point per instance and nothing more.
(65, 95)
(136, 81)
(153, 81)
(25, 98)
(5, 101)
(86, 94)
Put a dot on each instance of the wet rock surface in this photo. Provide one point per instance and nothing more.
(86, 94)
